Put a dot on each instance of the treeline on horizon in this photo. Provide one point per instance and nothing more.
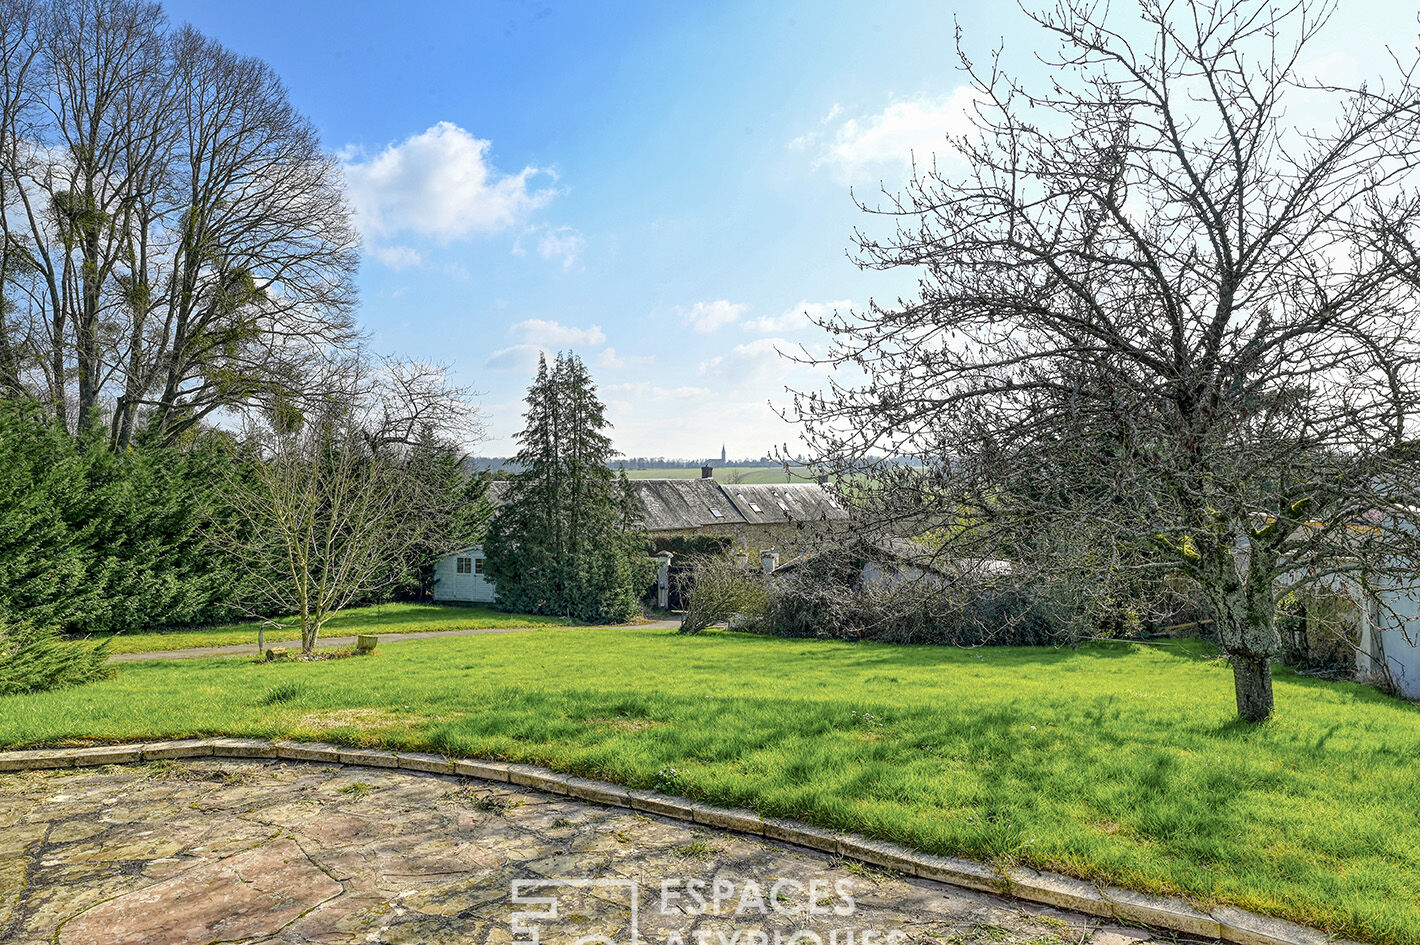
(510, 465)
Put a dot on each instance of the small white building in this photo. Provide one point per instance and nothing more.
(459, 577)
(1373, 634)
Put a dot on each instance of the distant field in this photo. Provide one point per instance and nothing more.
(749, 475)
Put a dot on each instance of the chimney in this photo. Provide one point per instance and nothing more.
(707, 472)
(769, 560)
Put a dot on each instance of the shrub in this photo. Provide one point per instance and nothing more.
(825, 597)
(720, 590)
(33, 659)
(92, 542)
(605, 586)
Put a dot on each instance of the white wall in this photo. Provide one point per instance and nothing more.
(449, 585)
(875, 573)
(1397, 632)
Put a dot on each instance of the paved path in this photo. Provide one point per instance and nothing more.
(191, 853)
(249, 649)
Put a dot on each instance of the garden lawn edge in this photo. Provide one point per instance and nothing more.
(1225, 923)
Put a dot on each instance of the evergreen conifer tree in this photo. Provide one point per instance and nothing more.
(563, 541)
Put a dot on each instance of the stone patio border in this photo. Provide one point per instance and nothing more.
(1164, 912)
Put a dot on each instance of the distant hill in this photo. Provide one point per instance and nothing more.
(494, 464)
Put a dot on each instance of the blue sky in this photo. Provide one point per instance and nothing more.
(662, 187)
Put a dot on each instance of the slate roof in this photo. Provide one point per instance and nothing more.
(683, 504)
(679, 504)
(797, 502)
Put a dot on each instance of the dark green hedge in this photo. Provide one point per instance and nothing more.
(93, 541)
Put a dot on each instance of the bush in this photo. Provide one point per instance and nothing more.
(720, 590)
(91, 541)
(826, 598)
(33, 659)
(606, 586)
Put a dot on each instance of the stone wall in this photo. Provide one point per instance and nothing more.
(789, 539)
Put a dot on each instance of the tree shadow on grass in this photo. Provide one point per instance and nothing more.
(926, 655)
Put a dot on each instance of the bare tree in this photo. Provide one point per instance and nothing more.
(405, 402)
(328, 505)
(318, 520)
(85, 105)
(249, 246)
(175, 241)
(1166, 327)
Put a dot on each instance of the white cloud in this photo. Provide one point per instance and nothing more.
(756, 361)
(696, 425)
(797, 318)
(610, 359)
(397, 257)
(521, 358)
(438, 183)
(708, 316)
(647, 390)
(903, 130)
(538, 331)
(563, 244)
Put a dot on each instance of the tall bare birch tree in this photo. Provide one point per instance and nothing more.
(1167, 322)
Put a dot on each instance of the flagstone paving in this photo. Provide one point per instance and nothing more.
(239, 851)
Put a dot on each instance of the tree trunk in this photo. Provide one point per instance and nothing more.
(309, 627)
(1245, 618)
(1252, 677)
(86, 325)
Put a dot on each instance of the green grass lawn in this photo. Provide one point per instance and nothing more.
(379, 618)
(1120, 763)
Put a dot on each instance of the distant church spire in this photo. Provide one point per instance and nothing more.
(723, 456)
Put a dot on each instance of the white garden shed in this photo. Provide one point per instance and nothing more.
(459, 577)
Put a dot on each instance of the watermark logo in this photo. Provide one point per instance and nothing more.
(546, 899)
(785, 911)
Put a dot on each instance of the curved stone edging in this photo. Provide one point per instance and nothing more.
(1223, 922)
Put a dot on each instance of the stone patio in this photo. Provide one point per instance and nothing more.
(240, 851)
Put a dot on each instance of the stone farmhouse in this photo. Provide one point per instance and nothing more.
(760, 519)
